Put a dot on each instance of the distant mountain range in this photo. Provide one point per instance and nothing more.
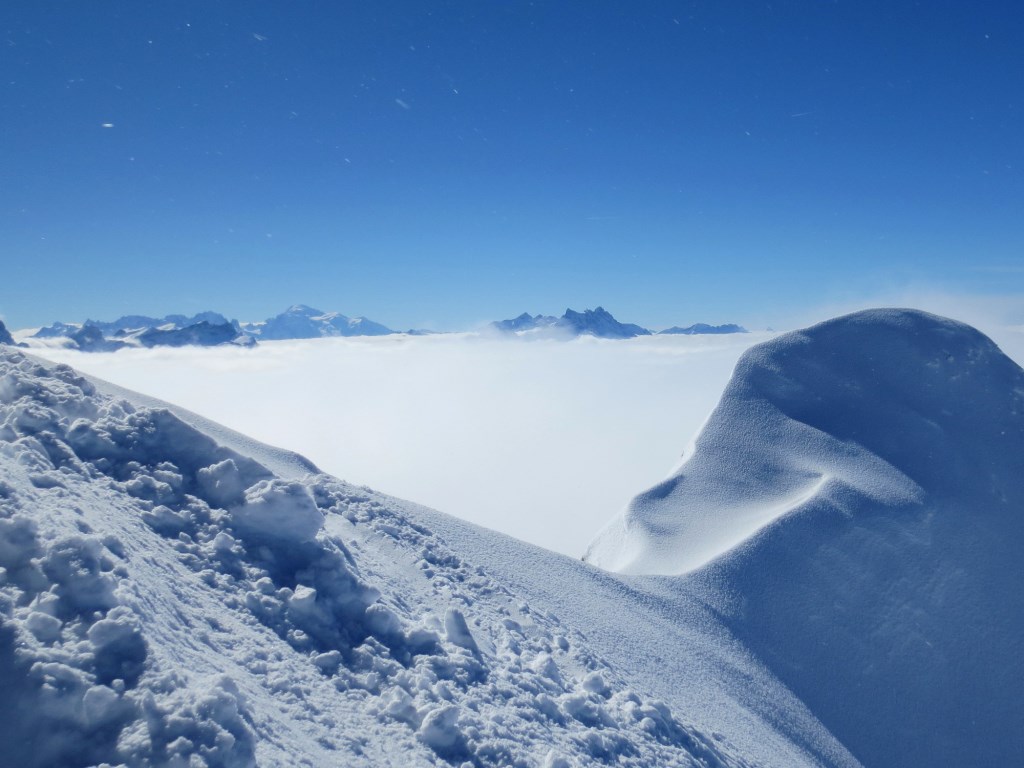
(206, 329)
(703, 328)
(590, 322)
(595, 322)
(299, 321)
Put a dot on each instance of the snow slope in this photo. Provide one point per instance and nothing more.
(853, 511)
(172, 593)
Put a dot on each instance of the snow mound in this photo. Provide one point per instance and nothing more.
(852, 508)
(892, 406)
(166, 600)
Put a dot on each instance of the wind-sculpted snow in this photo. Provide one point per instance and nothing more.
(853, 509)
(165, 600)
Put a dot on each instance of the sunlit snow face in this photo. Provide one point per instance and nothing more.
(543, 440)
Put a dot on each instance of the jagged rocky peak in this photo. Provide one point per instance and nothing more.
(5, 335)
(599, 322)
(202, 329)
(592, 322)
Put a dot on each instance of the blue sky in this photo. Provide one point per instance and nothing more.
(442, 164)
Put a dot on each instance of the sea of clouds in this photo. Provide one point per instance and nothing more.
(543, 440)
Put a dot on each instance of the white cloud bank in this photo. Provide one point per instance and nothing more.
(542, 440)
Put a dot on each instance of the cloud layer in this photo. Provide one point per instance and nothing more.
(542, 440)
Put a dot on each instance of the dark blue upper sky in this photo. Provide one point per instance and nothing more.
(450, 162)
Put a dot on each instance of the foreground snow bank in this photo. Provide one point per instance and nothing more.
(166, 600)
(852, 509)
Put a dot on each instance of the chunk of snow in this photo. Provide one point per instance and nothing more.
(278, 509)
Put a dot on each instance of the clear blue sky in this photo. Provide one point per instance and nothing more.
(675, 162)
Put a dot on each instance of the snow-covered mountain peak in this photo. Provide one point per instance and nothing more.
(599, 322)
(591, 322)
(300, 321)
(303, 310)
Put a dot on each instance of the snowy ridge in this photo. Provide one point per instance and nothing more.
(167, 600)
(852, 509)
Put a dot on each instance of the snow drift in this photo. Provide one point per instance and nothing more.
(853, 510)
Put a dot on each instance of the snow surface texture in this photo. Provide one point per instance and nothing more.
(856, 504)
(166, 599)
